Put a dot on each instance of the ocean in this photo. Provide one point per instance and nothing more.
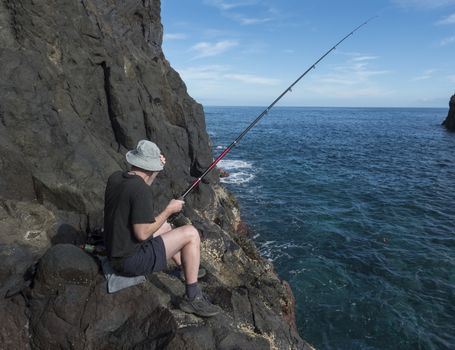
(356, 209)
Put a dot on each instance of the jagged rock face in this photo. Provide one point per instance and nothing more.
(82, 82)
(449, 122)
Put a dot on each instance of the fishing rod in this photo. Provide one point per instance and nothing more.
(266, 111)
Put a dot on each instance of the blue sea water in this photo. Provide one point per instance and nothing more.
(356, 208)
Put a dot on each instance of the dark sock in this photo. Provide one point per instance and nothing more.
(192, 290)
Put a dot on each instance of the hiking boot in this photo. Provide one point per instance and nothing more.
(199, 306)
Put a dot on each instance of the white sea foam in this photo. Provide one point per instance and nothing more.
(234, 164)
(237, 178)
(239, 171)
(266, 248)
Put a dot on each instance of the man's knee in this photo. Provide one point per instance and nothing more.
(192, 232)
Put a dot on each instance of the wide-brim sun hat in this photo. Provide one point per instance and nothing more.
(146, 156)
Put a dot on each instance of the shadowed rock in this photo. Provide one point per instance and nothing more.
(70, 307)
(449, 122)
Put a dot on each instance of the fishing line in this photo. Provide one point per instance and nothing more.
(266, 111)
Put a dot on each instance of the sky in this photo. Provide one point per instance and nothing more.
(247, 52)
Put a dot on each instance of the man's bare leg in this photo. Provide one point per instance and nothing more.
(166, 227)
(184, 239)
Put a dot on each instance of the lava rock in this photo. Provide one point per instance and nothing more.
(25, 235)
(449, 122)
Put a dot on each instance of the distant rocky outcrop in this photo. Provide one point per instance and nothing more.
(449, 122)
(82, 82)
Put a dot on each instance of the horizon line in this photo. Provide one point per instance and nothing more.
(265, 106)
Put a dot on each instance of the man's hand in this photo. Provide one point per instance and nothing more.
(175, 206)
(145, 231)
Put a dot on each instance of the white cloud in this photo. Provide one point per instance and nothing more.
(353, 75)
(251, 79)
(175, 36)
(357, 69)
(352, 92)
(265, 13)
(206, 49)
(364, 58)
(210, 72)
(451, 78)
(249, 21)
(447, 41)
(220, 73)
(448, 20)
(428, 74)
(354, 78)
(228, 5)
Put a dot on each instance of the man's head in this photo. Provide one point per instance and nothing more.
(145, 156)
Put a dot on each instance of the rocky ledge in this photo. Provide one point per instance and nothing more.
(449, 122)
(82, 82)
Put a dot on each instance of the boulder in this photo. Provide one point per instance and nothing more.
(70, 307)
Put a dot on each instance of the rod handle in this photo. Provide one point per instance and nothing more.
(171, 219)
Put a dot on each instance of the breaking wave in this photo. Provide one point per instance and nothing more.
(240, 171)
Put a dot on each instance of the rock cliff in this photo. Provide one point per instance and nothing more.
(449, 122)
(82, 82)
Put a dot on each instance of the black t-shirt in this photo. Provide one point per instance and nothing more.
(127, 201)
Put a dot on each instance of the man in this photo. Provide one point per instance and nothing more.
(138, 243)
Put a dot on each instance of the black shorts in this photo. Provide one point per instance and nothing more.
(151, 257)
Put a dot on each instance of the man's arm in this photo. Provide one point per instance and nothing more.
(145, 231)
